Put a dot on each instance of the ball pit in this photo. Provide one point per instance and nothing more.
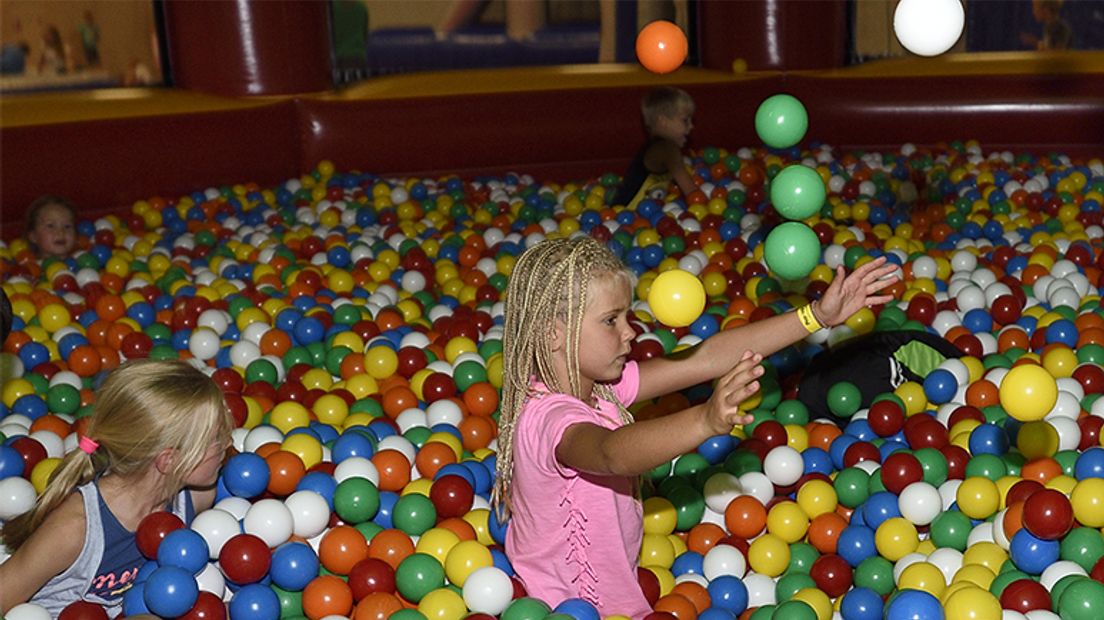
(354, 324)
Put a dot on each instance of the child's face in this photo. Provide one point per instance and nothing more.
(206, 473)
(605, 335)
(676, 128)
(54, 233)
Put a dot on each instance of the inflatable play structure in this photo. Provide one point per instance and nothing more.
(253, 100)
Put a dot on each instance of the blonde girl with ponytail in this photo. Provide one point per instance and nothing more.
(569, 452)
(158, 435)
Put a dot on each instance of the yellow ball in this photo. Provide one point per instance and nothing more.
(817, 497)
(1088, 502)
(457, 346)
(787, 521)
(1028, 392)
(769, 555)
(660, 516)
(677, 298)
(896, 538)
(978, 498)
(437, 542)
(816, 599)
(443, 604)
(40, 474)
(53, 317)
(381, 362)
(987, 554)
(288, 415)
(1037, 439)
(330, 409)
(464, 559)
(923, 576)
(479, 519)
(306, 447)
(656, 550)
(972, 604)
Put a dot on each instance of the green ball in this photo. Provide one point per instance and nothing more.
(852, 486)
(1059, 588)
(414, 514)
(526, 608)
(356, 500)
(792, 412)
(261, 370)
(418, 575)
(1003, 580)
(63, 398)
(844, 399)
(797, 192)
(689, 506)
(951, 529)
(690, 464)
(794, 610)
(1084, 546)
(875, 573)
(802, 556)
(468, 373)
(1082, 600)
(781, 121)
(790, 584)
(934, 465)
(792, 250)
(291, 603)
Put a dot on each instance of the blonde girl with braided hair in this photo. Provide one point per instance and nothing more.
(569, 451)
(158, 435)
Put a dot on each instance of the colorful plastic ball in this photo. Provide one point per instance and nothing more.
(244, 559)
(1024, 595)
(781, 122)
(972, 603)
(920, 503)
(1082, 600)
(577, 608)
(356, 500)
(913, 605)
(245, 475)
(270, 520)
(723, 560)
(488, 590)
(327, 595)
(1028, 393)
(1031, 554)
(1048, 514)
(183, 548)
(861, 604)
(255, 602)
(928, 27)
(216, 527)
(792, 250)
(153, 528)
(729, 593)
(661, 47)
(676, 297)
(940, 386)
(844, 399)
(418, 575)
(797, 192)
(293, 566)
(82, 610)
(783, 465)
(170, 591)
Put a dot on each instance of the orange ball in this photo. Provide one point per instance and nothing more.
(392, 546)
(745, 517)
(982, 394)
(341, 548)
(695, 593)
(327, 595)
(481, 399)
(377, 606)
(477, 432)
(433, 456)
(394, 469)
(398, 399)
(678, 606)
(824, 531)
(703, 537)
(285, 470)
(661, 47)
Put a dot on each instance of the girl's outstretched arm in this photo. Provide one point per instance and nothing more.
(844, 297)
(637, 448)
(48, 552)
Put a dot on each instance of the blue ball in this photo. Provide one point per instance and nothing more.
(11, 463)
(501, 562)
(30, 405)
(716, 448)
(255, 602)
(1090, 464)
(704, 326)
(319, 482)
(170, 591)
(856, 543)
(861, 604)
(940, 386)
(977, 321)
(309, 330)
(816, 460)
(185, 549)
(716, 613)
(1032, 555)
(245, 475)
(32, 354)
(134, 600)
(387, 501)
(688, 562)
(988, 439)
(728, 593)
(1062, 331)
(578, 608)
(294, 565)
(913, 605)
(879, 508)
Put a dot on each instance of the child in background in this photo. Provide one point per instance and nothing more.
(668, 117)
(156, 442)
(569, 450)
(51, 226)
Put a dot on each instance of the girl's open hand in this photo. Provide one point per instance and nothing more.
(737, 385)
(849, 293)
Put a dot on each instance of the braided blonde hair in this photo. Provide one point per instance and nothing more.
(549, 283)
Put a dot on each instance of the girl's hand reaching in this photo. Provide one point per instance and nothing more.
(737, 385)
(848, 294)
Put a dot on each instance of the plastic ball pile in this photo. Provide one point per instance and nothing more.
(354, 323)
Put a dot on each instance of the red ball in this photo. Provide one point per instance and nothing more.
(245, 559)
(371, 575)
(153, 529)
(1048, 514)
(1024, 595)
(1022, 490)
(452, 496)
(649, 585)
(899, 470)
(832, 575)
(1006, 309)
(438, 386)
(957, 458)
(1091, 377)
(885, 418)
(207, 607)
(1090, 426)
(921, 308)
(770, 433)
(83, 610)
(861, 451)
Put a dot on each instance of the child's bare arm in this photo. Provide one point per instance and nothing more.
(844, 297)
(665, 157)
(637, 448)
(51, 550)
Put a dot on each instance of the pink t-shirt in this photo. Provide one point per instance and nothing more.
(574, 534)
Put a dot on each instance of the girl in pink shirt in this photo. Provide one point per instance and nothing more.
(569, 451)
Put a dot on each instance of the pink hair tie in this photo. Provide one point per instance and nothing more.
(88, 445)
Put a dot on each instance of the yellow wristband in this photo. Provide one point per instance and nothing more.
(808, 319)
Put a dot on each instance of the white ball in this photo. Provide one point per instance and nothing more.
(243, 352)
(761, 590)
(720, 489)
(488, 590)
(928, 27)
(17, 495)
(948, 560)
(1036, 614)
(400, 443)
(210, 579)
(55, 447)
(757, 485)
(310, 514)
(924, 267)
(203, 343)
(411, 418)
(1059, 569)
(236, 506)
(356, 467)
(413, 281)
(216, 526)
(723, 560)
(920, 503)
(784, 466)
(900, 565)
(27, 611)
(270, 520)
(260, 435)
(444, 412)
